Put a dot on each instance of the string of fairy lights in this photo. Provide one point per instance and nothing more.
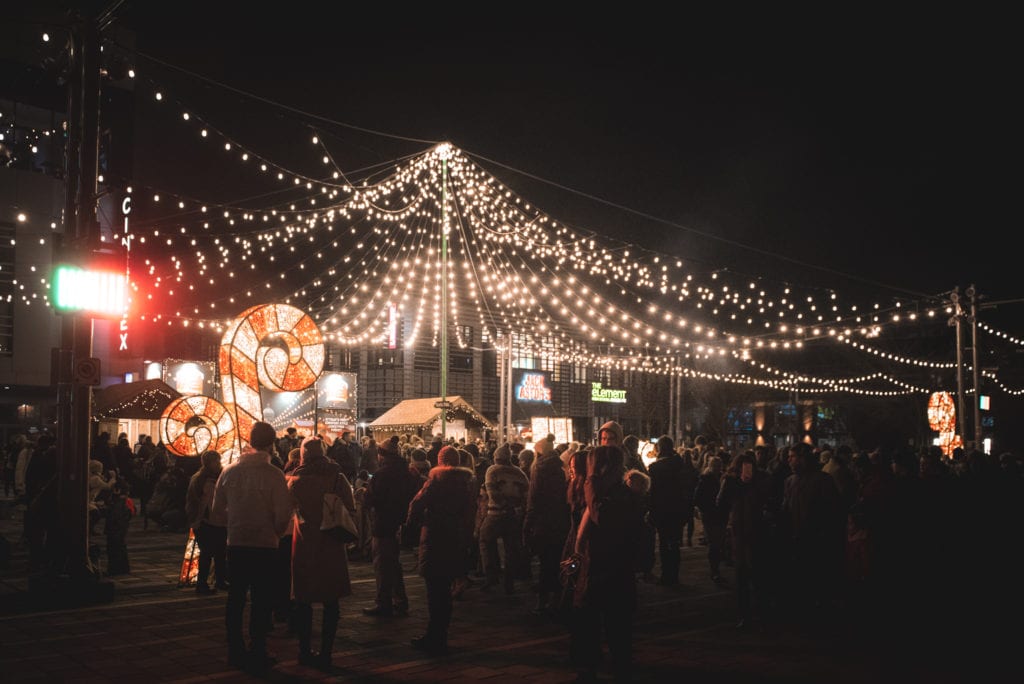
(356, 252)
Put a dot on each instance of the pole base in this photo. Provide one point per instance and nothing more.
(65, 591)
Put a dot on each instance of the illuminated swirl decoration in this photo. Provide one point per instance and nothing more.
(191, 425)
(274, 345)
(942, 418)
(941, 412)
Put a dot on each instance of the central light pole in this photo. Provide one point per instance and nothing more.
(444, 292)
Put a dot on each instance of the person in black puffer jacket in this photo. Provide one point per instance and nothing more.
(445, 508)
(672, 487)
(387, 497)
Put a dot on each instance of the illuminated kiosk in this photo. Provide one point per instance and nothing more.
(422, 417)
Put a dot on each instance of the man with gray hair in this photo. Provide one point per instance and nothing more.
(252, 496)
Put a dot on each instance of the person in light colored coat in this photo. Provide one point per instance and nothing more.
(251, 495)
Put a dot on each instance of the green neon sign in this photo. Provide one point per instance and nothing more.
(606, 396)
(99, 292)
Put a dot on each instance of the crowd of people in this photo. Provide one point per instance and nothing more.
(813, 535)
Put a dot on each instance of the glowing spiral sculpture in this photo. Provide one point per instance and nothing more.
(942, 418)
(274, 345)
(191, 425)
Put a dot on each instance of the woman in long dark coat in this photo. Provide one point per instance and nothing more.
(608, 543)
(445, 507)
(319, 562)
(743, 497)
(546, 524)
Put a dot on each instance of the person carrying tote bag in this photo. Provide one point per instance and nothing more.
(319, 560)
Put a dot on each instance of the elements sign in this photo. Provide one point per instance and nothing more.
(607, 396)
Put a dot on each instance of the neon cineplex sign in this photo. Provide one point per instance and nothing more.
(607, 396)
(532, 388)
(97, 292)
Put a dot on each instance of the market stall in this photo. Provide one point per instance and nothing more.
(422, 417)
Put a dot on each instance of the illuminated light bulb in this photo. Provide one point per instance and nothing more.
(159, 96)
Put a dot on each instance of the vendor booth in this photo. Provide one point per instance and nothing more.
(422, 417)
(133, 408)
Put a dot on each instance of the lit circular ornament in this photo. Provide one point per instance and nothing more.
(192, 425)
(941, 412)
(948, 441)
(274, 345)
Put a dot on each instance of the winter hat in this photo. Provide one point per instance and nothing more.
(614, 428)
(448, 456)
(503, 455)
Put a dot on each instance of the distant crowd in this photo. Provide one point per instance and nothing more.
(811, 536)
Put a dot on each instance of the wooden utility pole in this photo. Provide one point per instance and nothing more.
(71, 577)
(955, 320)
(973, 319)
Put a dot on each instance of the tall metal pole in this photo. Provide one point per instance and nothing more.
(974, 363)
(671, 432)
(444, 295)
(316, 407)
(501, 395)
(956, 321)
(508, 400)
(680, 423)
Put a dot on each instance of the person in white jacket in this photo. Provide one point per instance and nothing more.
(252, 497)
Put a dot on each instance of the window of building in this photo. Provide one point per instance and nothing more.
(427, 358)
(460, 360)
(386, 358)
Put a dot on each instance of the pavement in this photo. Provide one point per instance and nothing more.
(154, 630)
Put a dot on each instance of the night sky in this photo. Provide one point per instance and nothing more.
(805, 148)
(865, 154)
